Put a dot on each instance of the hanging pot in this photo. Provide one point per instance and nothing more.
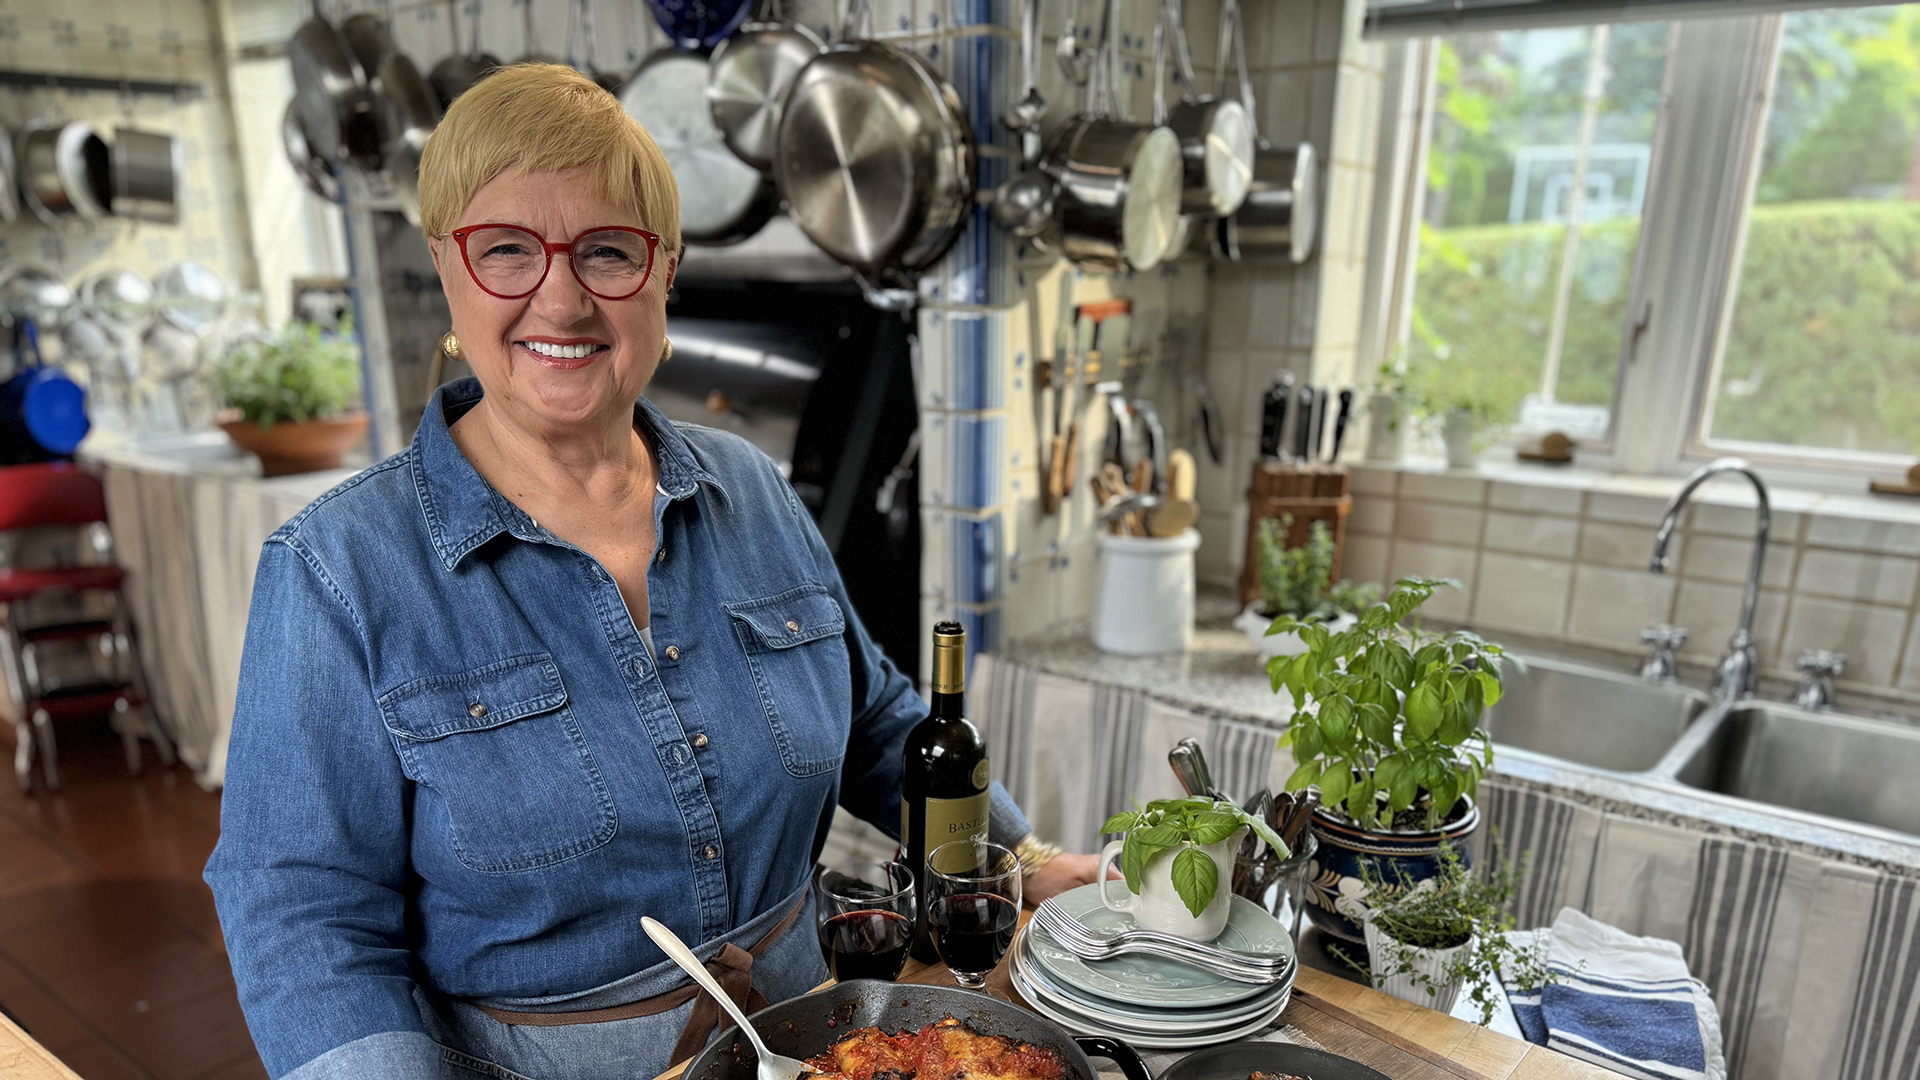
(29, 292)
(9, 179)
(65, 171)
(190, 295)
(750, 74)
(412, 114)
(147, 168)
(699, 24)
(117, 298)
(334, 96)
(723, 200)
(1281, 212)
(310, 167)
(457, 73)
(876, 158)
(1216, 136)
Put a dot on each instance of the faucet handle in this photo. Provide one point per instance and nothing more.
(1823, 662)
(1664, 636)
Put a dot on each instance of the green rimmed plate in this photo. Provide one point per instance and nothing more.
(1150, 980)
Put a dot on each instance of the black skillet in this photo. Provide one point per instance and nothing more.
(1239, 1060)
(804, 1026)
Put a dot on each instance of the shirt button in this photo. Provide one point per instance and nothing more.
(793, 627)
(709, 852)
(700, 741)
(476, 710)
(673, 652)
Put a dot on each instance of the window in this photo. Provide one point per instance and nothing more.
(1823, 346)
(1670, 240)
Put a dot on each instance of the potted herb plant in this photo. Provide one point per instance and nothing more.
(1298, 583)
(292, 399)
(1386, 412)
(1177, 855)
(1387, 724)
(1428, 941)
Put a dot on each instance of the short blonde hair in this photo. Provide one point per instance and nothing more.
(545, 118)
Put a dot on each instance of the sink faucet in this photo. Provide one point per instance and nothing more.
(1739, 671)
(1815, 692)
(1663, 639)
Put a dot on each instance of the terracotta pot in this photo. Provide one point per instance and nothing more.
(288, 447)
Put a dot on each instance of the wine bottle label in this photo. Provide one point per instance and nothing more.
(949, 820)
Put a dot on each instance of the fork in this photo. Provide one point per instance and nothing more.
(1055, 917)
(1240, 967)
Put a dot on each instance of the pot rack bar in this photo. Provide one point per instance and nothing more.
(47, 80)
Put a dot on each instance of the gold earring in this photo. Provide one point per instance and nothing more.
(666, 350)
(450, 345)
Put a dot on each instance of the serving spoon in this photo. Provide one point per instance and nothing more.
(772, 1066)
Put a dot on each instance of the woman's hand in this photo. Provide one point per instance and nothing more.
(1062, 872)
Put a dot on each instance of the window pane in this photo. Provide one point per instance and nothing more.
(1536, 173)
(1823, 349)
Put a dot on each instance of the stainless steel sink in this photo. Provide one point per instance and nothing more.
(1865, 771)
(1591, 716)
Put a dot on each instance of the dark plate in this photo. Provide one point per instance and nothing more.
(1235, 1062)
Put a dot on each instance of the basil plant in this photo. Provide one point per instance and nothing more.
(1186, 825)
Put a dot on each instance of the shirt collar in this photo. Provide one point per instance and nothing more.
(463, 511)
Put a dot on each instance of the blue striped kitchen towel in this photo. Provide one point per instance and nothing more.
(1622, 1002)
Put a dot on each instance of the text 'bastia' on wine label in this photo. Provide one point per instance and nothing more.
(949, 820)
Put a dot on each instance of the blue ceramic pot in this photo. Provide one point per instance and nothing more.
(1334, 885)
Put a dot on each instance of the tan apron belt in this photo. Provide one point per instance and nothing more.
(732, 967)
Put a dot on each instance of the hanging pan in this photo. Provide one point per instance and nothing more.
(1216, 138)
(457, 72)
(333, 94)
(723, 200)
(310, 167)
(146, 168)
(412, 112)
(1119, 200)
(699, 24)
(65, 171)
(748, 80)
(9, 183)
(876, 158)
(1281, 213)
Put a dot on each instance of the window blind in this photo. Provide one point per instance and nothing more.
(1387, 19)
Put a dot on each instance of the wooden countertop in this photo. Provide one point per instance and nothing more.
(23, 1059)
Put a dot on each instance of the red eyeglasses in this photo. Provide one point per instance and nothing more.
(612, 262)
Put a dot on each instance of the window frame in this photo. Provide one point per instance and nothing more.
(1715, 97)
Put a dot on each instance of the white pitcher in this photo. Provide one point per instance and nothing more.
(1158, 907)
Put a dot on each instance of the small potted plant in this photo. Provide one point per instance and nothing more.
(1177, 855)
(1387, 724)
(1428, 941)
(1297, 583)
(292, 399)
(1387, 412)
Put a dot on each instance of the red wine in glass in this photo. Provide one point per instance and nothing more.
(973, 931)
(866, 944)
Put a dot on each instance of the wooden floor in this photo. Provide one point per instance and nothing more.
(110, 955)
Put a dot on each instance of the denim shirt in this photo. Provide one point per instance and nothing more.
(456, 766)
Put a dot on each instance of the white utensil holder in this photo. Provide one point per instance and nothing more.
(1145, 602)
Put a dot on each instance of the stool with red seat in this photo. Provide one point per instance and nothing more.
(51, 494)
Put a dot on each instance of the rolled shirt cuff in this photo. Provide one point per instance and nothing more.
(1006, 825)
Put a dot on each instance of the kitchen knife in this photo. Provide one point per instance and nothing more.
(1320, 402)
(1273, 415)
(1340, 423)
(1303, 425)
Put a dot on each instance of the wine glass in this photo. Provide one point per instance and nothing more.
(864, 914)
(973, 906)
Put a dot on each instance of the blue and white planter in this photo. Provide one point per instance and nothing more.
(1334, 886)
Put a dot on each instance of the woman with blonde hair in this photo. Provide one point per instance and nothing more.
(559, 664)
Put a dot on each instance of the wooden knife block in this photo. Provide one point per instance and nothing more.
(1314, 493)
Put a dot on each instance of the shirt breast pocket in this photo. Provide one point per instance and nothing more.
(501, 748)
(797, 651)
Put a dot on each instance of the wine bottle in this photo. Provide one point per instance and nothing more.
(943, 787)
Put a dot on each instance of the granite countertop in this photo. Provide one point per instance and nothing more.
(211, 455)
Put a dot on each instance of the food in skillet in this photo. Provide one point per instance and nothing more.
(943, 1051)
(1273, 1076)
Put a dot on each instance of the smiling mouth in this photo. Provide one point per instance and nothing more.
(554, 351)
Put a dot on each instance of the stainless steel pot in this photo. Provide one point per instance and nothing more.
(1281, 213)
(117, 298)
(1119, 201)
(412, 113)
(34, 292)
(876, 158)
(723, 200)
(9, 179)
(190, 295)
(747, 84)
(1216, 136)
(147, 169)
(334, 96)
(312, 169)
(456, 73)
(66, 171)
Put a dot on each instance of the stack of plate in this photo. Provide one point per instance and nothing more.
(1147, 1000)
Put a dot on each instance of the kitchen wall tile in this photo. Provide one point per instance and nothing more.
(1329, 24)
(1443, 487)
(1864, 534)
(1850, 575)
(1033, 598)
(1869, 635)
(1438, 522)
(1729, 515)
(975, 548)
(1230, 305)
(1710, 610)
(1284, 105)
(1214, 562)
(1524, 594)
(1221, 487)
(1412, 558)
(936, 553)
(1270, 307)
(1721, 558)
(1628, 509)
(1611, 607)
(1365, 559)
(1371, 515)
(1078, 569)
(1368, 481)
(1910, 667)
(1506, 495)
(978, 463)
(1629, 547)
(1532, 534)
